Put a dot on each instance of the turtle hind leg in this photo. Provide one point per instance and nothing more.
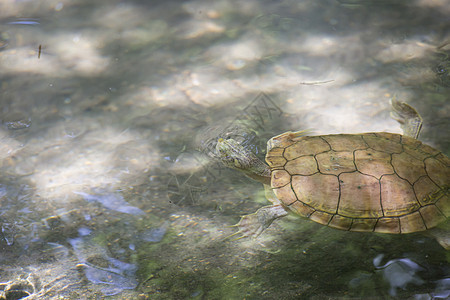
(409, 119)
(442, 236)
(253, 225)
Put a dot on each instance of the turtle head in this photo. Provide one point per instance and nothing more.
(234, 155)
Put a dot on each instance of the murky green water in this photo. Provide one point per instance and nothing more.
(110, 111)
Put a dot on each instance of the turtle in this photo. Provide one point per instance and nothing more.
(368, 182)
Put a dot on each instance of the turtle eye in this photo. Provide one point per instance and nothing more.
(237, 164)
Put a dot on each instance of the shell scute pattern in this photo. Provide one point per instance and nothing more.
(437, 171)
(303, 165)
(360, 196)
(384, 142)
(305, 187)
(421, 188)
(321, 217)
(374, 163)
(388, 225)
(311, 146)
(397, 196)
(335, 162)
(362, 225)
(275, 158)
(380, 182)
(353, 142)
(408, 167)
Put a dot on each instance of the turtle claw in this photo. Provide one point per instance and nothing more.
(253, 225)
(235, 239)
(248, 226)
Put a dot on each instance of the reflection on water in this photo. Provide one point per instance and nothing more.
(399, 273)
(109, 115)
(155, 234)
(110, 273)
(112, 201)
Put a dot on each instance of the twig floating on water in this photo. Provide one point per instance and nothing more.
(316, 82)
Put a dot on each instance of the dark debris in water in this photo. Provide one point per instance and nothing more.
(17, 123)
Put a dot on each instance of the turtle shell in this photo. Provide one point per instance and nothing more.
(380, 182)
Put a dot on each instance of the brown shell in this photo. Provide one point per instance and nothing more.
(380, 182)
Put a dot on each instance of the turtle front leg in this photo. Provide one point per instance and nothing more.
(253, 225)
(409, 119)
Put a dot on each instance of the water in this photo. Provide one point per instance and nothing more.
(110, 111)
